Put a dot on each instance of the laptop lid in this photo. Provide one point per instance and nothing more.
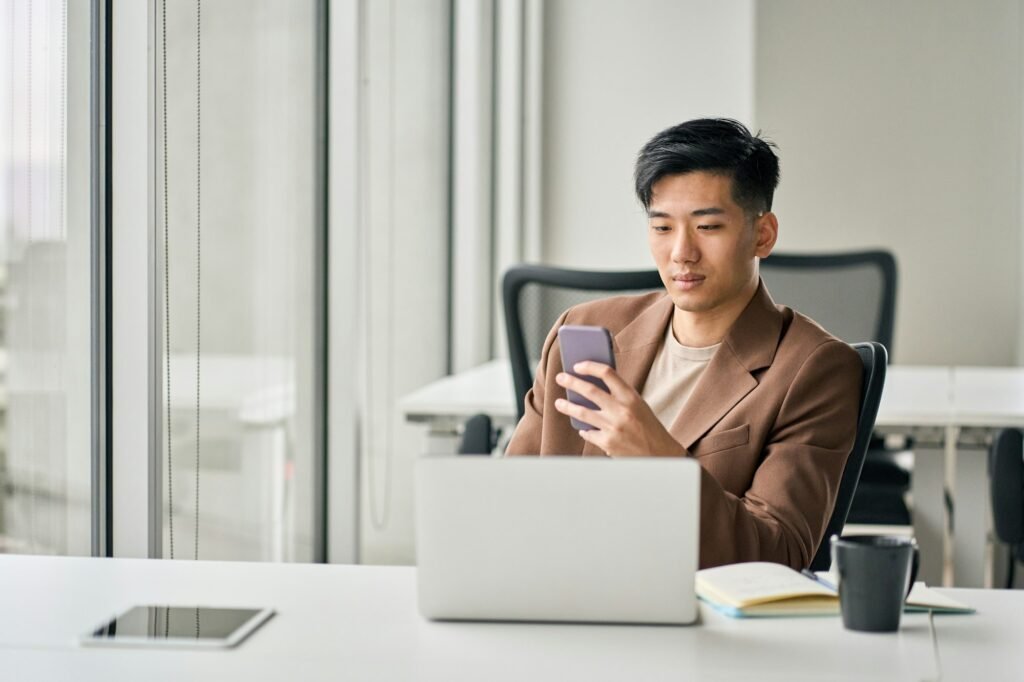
(557, 538)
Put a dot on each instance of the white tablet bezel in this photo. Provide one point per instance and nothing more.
(235, 638)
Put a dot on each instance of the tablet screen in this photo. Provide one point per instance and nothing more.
(180, 623)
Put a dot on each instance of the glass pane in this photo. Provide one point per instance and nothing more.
(240, 232)
(45, 460)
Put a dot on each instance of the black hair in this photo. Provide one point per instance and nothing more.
(714, 145)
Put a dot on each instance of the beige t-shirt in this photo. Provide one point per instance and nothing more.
(673, 376)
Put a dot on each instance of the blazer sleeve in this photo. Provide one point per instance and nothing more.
(526, 440)
(782, 516)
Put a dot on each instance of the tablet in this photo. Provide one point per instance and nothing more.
(178, 626)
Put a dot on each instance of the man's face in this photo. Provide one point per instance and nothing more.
(703, 242)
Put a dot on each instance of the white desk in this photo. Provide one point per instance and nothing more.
(949, 410)
(988, 396)
(984, 399)
(486, 388)
(361, 623)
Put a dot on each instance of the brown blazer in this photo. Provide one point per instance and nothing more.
(771, 421)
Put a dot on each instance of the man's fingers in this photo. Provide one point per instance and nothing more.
(595, 436)
(617, 386)
(593, 393)
(592, 417)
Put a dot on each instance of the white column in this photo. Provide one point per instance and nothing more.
(472, 219)
(508, 155)
(533, 119)
(343, 161)
(137, 518)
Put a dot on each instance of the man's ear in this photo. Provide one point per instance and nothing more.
(766, 233)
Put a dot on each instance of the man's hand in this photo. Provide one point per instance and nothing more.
(624, 425)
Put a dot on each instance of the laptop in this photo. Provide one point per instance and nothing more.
(557, 539)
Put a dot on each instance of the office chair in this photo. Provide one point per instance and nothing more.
(874, 358)
(853, 296)
(478, 436)
(535, 295)
(1006, 481)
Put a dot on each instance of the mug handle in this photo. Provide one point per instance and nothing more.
(916, 563)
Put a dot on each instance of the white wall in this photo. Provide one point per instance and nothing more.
(899, 126)
(615, 74)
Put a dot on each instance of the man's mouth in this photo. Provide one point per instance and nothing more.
(687, 281)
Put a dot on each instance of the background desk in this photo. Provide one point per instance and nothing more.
(361, 623)
(914, 396)
(949, 411)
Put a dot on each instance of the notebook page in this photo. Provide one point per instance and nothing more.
(754, 583)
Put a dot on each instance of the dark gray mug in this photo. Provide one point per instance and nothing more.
(876, 573)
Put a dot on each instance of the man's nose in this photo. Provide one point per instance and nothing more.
(685, 248)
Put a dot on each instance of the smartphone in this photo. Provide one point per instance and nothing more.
(579, 343)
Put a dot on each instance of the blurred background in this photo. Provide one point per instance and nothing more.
(304, 208)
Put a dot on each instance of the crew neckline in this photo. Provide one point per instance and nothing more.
(690, 353)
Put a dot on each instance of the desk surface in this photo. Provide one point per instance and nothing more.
(988, 396)
(361, 623)
(486, 388)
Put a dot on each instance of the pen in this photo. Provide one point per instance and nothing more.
(821, 581)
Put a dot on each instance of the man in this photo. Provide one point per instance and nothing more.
(762, 397)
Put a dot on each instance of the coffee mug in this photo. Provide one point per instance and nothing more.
(876, 573)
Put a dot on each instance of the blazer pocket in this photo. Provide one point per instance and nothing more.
(723, 440)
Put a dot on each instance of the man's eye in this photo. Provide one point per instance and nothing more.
(708, 227)
(660, 228)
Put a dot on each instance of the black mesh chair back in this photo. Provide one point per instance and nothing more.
(874, 359)
(852, 295)
(535, 295)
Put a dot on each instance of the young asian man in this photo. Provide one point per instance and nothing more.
(711, 368)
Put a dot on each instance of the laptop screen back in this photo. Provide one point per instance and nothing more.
(557, 539)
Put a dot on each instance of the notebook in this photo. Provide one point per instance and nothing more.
(761, 589)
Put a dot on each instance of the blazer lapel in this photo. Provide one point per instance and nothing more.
(635, 347)
(725, 382)
(637, 344)
(748, 346)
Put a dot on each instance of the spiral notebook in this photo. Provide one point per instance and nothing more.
(760, 589)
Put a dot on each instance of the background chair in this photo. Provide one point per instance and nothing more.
(874, 358)
(535, 295)
(853, 295)
(1006, 481)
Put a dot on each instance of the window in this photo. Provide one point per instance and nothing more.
(45, 292)
(237, 225)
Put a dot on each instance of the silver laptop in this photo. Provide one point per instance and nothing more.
(557, 538)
